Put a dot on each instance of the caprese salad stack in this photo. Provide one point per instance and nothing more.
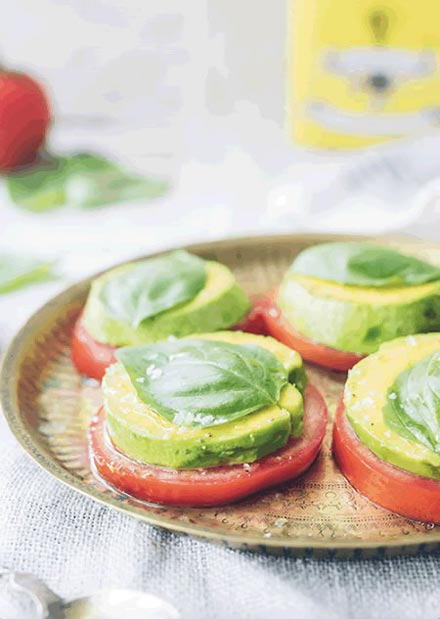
(386, 436)
(147, 301)
(206, 420)
(339, 301)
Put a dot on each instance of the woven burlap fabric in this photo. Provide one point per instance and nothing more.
(78, 546)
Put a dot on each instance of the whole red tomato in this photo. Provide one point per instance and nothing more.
(24, 119)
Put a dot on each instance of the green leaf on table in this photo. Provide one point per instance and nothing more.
(202, 383)
(94, 181)
(40, 187)
(17, 271)
(363, 264)
(413, 406)
(153, 286)
(84, 180)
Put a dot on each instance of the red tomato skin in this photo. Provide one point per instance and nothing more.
(412, 496)
(211, 486)
(279, 327)
(24, 119)
(90, 357)
(254, 321)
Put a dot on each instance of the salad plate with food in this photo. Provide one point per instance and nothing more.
(280, 394)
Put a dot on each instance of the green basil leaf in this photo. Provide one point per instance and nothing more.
(40, 187)
(94, 181)
(153, 286)
(413, 407)
(201, 383)
(363, 264)
(17, 271)
(84, 180)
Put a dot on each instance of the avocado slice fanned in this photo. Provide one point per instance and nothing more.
(219, 305)
(146, 436)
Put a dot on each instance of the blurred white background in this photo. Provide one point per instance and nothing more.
(192, 90)
(159, 66)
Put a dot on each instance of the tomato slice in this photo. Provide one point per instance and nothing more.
(389, 486)
(211, 486)
(254, 321)
(280, 328)
(90, 357)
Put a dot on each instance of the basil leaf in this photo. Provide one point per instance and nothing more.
(153, 286)
(84, 180)
(202, 383)
(413, 407)
(363, 264)
(17, 271)
(94, 181)
(40, 187)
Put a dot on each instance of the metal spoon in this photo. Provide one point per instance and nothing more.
(105, 604)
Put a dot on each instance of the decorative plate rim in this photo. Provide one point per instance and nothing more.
(11, 411)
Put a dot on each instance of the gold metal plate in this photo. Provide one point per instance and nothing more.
(48, 406)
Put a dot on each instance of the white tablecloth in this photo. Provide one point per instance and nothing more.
(79, 546)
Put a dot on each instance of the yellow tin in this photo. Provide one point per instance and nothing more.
(362, 71)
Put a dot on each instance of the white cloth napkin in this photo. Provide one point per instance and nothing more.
(78, 546)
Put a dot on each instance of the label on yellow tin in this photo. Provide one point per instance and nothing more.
(363, 71)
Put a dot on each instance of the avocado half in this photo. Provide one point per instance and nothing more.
(366, 396)
(220, 305)
(354, 318)
(146, 436)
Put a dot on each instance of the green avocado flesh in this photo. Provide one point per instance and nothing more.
(146, 436)
(221, 304)
(366, 398)
(355, 318)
